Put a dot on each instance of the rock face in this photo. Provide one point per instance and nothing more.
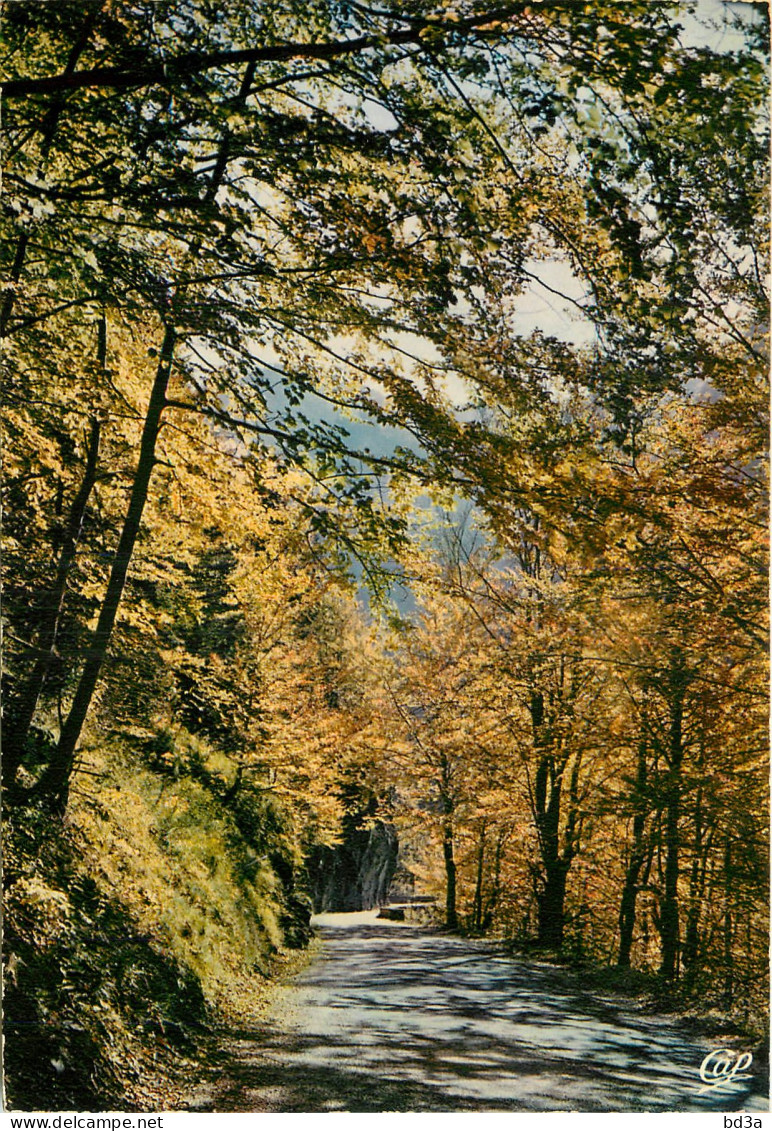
(354, 875)
(402, 888)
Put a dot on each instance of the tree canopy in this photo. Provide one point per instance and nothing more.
(267, 271)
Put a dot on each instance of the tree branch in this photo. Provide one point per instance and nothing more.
(171, 71)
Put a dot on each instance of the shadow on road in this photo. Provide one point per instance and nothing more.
(396, 1018)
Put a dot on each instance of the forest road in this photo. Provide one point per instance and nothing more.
(392, 1017)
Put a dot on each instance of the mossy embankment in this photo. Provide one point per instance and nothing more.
(163, 904)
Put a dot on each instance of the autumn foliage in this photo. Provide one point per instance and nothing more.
(266, 333)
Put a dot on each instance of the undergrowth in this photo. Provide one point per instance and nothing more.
(701, 1007)
(153, 913)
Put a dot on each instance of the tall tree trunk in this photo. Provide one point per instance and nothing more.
(54, 782)
(669, 911)
(448, 849)
(547, 792)
(451, 914)
(495, 890)
(55, 779)
(551, 901)
(21, 710)
(627, 906)
(728, 926)
(477, 905)
(691, 948)
(551, 886)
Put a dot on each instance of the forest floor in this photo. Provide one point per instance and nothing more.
(393, 1017)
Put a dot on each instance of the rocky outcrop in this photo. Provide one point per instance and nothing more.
(354, 875)
(402, 887)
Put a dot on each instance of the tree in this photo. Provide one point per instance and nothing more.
(445, 760)
(240, 252)
(653, 594)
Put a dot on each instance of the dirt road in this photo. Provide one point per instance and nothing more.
(390, 1017)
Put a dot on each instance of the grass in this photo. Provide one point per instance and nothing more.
(132, 930)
